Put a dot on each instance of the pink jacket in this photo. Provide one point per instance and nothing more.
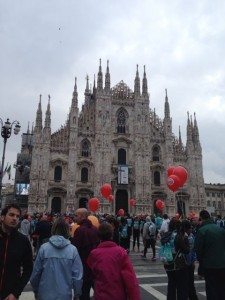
(114, 276)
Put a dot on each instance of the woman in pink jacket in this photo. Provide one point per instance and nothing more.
(114, 276)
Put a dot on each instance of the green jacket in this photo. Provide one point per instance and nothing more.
(210, 245)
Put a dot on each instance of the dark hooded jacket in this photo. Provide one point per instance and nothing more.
(15, 252)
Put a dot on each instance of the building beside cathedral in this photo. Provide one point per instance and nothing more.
(116, 138)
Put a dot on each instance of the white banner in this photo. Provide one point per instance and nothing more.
(122, 175)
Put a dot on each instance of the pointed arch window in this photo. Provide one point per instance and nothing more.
(58, 173)
(122, 157)
(84, 175)
(156, 153)
(157, 178)
(85, 148)
(121, 121)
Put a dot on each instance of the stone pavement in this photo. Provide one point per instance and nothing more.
(151, 276)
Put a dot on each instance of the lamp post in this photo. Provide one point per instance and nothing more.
(6, 130)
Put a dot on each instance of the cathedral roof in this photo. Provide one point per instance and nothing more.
(122, 91)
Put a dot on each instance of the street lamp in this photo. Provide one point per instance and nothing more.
(6, 130)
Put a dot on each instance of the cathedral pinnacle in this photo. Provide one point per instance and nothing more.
(38, 124)
(100, 79)
(167, 106)
(137, 89)
(87, 90)
(75, 94)
(107, 77)
(144, 84)
(48, 114)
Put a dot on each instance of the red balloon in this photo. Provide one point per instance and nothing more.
(132, 202)
(93, 204)
(159, 204)
(170, 171)
(110, 198)
(121, 212)
(182, 173)
(173, 183)
(106, 190)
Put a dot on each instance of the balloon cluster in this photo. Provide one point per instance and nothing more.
(106, 192)
(176, 177)
(159, 204)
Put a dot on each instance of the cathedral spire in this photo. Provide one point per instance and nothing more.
(137, 83)
(75, 95)
(189, 128)
(144, 84)
(167, 106)
(87, 90)
(100, 79)
(48, 114)
(38, 125)
(28, 128)
(107, 78)
(195, 129)
(180, 139)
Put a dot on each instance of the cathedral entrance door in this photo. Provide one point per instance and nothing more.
(56, 205)
(122, 200)
(83, 202)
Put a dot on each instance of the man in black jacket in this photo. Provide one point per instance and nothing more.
(16, 260)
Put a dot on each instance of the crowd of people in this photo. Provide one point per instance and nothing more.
(64, 256)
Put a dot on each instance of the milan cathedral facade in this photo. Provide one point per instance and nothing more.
(116, 138)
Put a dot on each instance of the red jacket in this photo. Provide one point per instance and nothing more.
(114, 276)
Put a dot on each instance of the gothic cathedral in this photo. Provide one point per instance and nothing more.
(116, 138)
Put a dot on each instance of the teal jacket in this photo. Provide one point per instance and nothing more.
(210, 245)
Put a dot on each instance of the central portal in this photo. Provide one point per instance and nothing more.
(121, 200)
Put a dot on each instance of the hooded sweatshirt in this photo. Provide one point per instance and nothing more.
(57, 270)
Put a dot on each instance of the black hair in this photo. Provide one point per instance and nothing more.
(184, 226)
(105, 232)
(174, 224)
(7, 208)
(204, 215)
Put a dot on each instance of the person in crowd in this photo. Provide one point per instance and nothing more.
(85, 239)
(190, 258)
(114, 277)
(158, 223)
(129, 226)
(210, 250)
(42, 231)
(149, 237)
(136, 233)
(124, 239)
(16, 261)
(25, 226)
(112, 220)
(58, 268)
(165, 225)
(175, 238)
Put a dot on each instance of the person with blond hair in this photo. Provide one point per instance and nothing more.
(58, 268)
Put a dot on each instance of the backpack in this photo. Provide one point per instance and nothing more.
(124, 232)
(167, 247)
(165, 253)
(152, 230)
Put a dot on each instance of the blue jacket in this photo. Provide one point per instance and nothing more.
(57, 270)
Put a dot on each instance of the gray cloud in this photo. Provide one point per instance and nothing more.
(45, 44)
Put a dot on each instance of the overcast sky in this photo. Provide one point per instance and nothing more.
(46, 43)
